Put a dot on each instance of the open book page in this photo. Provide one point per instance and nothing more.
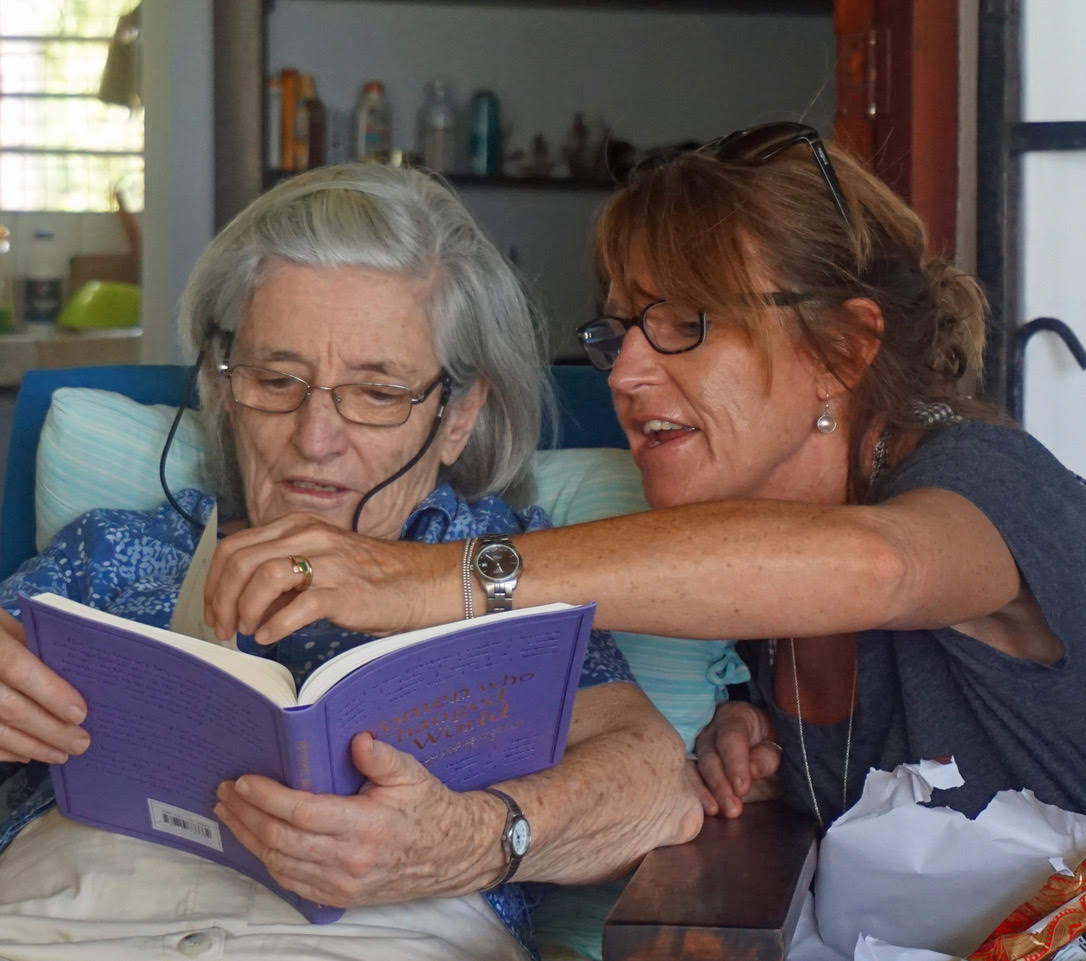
(188, 615)
(325, 677)
(267, 677)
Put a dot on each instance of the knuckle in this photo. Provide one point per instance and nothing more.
(358, 863)
(9, 700)
(304, 814)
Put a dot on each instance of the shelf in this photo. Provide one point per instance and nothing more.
(273, 177)
(48, 346)
(663, 6)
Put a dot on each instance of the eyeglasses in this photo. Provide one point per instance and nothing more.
(370, 404)
(759, 145)
(668, 327)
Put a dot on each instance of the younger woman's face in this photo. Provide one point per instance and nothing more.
(716, 423)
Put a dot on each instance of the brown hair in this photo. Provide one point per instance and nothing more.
(712, 234)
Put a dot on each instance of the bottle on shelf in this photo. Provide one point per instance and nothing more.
(7, 282)
(288, 104)
(484, 147)
(316, 134)
(373, 140)
(300, 146)
(44, 291)
(437, 128)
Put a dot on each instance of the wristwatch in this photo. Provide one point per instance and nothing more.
(497, 565)
(516, 837)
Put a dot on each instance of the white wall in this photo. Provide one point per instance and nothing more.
(179, 162)
(1053, 241)
(655, 77)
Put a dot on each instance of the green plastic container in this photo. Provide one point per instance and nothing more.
(102, 303)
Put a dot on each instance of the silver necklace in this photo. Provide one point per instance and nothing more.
(803, 742)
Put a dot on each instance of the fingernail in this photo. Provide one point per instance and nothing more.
(80, 742)
(75, 714)
(241, 786)
(741, 783)
(55, 757)
(217, 810)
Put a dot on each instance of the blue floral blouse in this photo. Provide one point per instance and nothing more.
(132, 563)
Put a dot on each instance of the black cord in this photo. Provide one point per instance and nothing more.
(446, 390)
(169, 441)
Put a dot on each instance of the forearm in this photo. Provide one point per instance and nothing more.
(616, 795)
(731, 569)
(736, 569)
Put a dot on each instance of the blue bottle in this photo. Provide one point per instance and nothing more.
(484, 144)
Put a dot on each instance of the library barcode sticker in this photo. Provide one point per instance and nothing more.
(184, 824)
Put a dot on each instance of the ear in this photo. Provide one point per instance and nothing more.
(460, 421)
(865, 339)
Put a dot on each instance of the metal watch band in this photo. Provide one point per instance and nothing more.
(499, 592)
(512, 859)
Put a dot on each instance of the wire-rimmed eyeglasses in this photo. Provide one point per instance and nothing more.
(759, 145)
(370, 404)
(669, 328)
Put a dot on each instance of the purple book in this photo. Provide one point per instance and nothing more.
(171, 717)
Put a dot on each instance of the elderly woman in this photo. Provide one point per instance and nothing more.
(368, 363)
(796, 375)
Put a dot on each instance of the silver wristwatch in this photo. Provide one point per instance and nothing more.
(516, 837)
(497, 564)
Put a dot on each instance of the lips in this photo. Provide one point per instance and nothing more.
(314, 487)
(659, 431)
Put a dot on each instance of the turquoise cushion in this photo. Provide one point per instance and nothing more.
(684, 678)
(101, 449)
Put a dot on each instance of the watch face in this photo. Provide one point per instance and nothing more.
(497, 562)
(520, 836)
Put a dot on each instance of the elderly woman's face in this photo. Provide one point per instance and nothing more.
(334, 326)
(707, 425)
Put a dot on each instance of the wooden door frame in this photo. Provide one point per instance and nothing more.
(897, 101)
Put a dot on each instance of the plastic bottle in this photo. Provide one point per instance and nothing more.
(288, 104)
(7, 282)
(300, 145)
(317, 133)
(484, 148)
(44, 279)
(373, 139)
(437, 128)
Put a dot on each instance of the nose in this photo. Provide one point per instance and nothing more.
(319, 431)
(637, 363)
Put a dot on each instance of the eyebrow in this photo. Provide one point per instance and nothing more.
(368, 367)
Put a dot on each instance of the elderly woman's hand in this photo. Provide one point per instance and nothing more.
(403, 836)
(39, 711)
(253, 586)
(736, 756)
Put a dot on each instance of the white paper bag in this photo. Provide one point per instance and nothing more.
(890, 870)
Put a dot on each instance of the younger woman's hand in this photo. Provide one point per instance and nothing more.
(357, 582)
(737, 757)
(40, 712)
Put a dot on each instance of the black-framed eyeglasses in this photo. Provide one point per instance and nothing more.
(759, 145)
(366, 403)
(669, 328)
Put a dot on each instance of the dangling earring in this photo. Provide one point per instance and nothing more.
(826, 423)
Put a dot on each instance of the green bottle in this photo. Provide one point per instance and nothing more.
(7, 282)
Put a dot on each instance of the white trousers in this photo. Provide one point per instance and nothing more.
(69, 892)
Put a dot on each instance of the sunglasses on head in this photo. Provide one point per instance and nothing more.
(759, 145)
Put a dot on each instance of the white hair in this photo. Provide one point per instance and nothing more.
(401, 222)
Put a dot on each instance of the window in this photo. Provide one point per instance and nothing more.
(61, 148)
